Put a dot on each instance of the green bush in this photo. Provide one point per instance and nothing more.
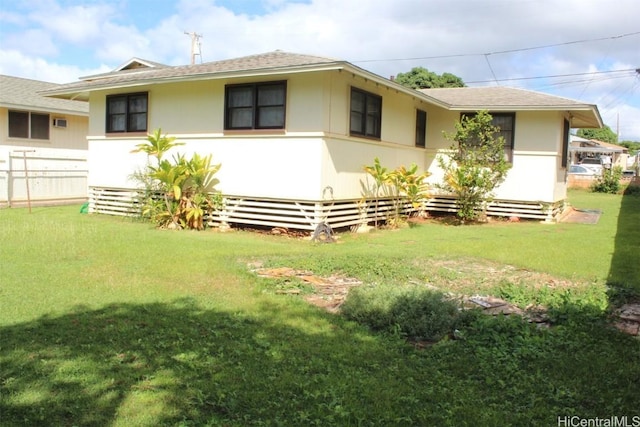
(609, 181)
(411, 311)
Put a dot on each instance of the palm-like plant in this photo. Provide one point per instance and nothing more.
(185, 185)
(157, 145)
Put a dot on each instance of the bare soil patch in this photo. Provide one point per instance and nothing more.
(471, 282)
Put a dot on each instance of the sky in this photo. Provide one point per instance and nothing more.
(587, 50)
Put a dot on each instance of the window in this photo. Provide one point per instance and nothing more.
(565, 143)
(421, 128)
(366, 114)
(255, 106)
(506, 123)
(127, 113)
(24, 124)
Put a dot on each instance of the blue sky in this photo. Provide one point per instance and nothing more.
(588, 40)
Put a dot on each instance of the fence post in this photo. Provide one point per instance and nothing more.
(26, 174)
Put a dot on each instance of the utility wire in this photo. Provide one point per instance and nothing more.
(556, 76)
(460, 55)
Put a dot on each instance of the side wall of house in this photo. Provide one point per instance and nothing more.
(536, 174)
(56, 169)
(344, 156)
(281, 164)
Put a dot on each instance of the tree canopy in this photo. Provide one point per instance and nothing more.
(604, 134)
(421, 78)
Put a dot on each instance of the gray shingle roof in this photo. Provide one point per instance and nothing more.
(277, 60)
(19, 93)
(498, 97)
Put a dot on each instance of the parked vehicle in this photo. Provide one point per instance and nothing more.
(582, 170)
(593, 164)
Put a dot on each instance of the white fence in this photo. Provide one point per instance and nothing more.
(42, 176)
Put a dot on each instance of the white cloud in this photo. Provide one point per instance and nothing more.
(76, 24)
(15, 63)
(392, 33)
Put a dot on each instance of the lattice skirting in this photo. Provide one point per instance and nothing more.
(307, 214)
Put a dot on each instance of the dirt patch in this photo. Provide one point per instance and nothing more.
(330, 292)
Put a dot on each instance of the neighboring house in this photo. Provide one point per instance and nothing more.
(293, 133)
(43, 143)
(582, 148)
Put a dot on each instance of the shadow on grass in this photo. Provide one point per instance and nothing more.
(624, 274)
(177, 364)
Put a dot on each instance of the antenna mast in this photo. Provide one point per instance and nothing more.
(195, 46)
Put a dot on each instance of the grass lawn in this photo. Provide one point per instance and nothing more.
(107, 321)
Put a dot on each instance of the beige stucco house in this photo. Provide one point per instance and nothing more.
(293, 133)
(43, 143)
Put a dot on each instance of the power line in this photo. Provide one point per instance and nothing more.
(461, 55)
(556, 76)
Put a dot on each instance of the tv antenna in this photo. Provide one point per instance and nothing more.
(195, 46)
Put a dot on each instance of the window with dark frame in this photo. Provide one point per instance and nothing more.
(366, 114)
(421, 128)
(565, 143)
(127, 112)
(25, 124)
(255, 106)
(506, 122)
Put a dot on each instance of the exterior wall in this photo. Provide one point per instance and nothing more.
(314, 154)
(73, 137)
(314, 158)
(536, 174)
(56, 168)
(250, 167)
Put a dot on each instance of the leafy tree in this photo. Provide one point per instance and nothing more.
(476, 165)
(632, 146)
(421, 78)
(604, 134)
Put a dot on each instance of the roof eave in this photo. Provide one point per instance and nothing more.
(582, 116)
(39, 108)
(82, 93)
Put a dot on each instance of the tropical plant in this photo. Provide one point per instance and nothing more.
(475, 166)
(157, 145)
(380, 177)
(178, 193)
(402, 185)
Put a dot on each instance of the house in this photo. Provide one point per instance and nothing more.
(581, 148)
(293, 133)
(43, 145)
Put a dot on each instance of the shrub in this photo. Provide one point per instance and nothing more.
(609, 181)
(411, 311)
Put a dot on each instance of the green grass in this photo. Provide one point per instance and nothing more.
(107, 321)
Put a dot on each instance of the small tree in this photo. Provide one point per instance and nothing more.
(476, 165)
